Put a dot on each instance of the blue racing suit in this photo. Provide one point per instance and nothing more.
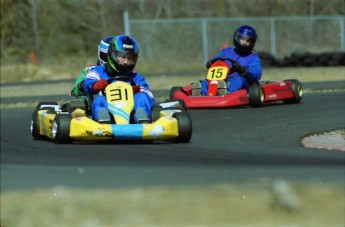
(234, 80)
(143, 99)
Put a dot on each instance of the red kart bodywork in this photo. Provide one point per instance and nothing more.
(238, 98)
(289, 91)
(277, 91)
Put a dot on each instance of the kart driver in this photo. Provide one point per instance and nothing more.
(247, 69)
(102, 60)
(122, 57)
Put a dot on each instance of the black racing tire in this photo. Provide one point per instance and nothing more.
(61, 128)
(256, 95)
(181, 103)
(173, 90)
(155, 113)
(39, 105)
(35, 126)
(184, 127)
(297, 90)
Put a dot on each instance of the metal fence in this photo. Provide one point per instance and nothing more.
(184, 44)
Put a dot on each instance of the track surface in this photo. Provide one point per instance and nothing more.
(227, 146)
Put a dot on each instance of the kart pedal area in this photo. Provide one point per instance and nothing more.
(141, 116)
(196, 90)
(103, 116)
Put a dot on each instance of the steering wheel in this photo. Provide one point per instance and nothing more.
(222, 59)
(121, 77)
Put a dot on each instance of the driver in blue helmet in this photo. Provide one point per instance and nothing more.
(122, 57)
(247, 68)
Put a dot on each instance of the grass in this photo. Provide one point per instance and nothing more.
(251, 204)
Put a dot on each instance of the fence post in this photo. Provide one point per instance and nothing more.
(126, 23)
(342, 33)
(204, 39)
(273, 36)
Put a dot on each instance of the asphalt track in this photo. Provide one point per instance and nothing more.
(228, 146)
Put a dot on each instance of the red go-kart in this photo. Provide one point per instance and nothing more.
(288, 91)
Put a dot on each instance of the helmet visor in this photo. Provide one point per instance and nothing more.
(124, 57)
(245, 40)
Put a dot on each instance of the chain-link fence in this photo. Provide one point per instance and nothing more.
(186, 44)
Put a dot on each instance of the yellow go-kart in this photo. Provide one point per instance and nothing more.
(71, 121)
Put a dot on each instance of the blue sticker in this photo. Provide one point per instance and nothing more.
(131, 131)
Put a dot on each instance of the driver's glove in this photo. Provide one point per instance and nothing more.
(237, 67)
(136, 88)
(99, 85)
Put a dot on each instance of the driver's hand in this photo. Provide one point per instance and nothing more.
(136, 89)
(208, 63)
(99, 85)
(237, 67)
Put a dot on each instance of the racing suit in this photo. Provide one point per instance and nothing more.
(78, 89)
(235, 81)
(143, 99)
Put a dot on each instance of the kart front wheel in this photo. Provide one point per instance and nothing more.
(173, 90)
(184, 127)
(297, 90)
(35, 126)
(256, 95)
(61, 128)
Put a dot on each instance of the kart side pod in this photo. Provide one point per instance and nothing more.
(289, 91)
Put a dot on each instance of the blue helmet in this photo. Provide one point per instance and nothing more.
(123, 54)
(244, 39)
(103, 50)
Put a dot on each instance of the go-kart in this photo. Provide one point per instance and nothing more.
(71, 121)
(288, 91)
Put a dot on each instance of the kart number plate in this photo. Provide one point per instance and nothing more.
(217, 73)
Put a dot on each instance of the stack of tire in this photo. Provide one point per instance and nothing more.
(305, 59)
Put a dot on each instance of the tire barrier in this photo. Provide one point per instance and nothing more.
(305, 59)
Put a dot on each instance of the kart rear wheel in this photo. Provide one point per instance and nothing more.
(256, 95)
(173, 90)
(184, 127)
(297, 90)
(35, 126)
(40, 104)
(155, 113)
(61, 128)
